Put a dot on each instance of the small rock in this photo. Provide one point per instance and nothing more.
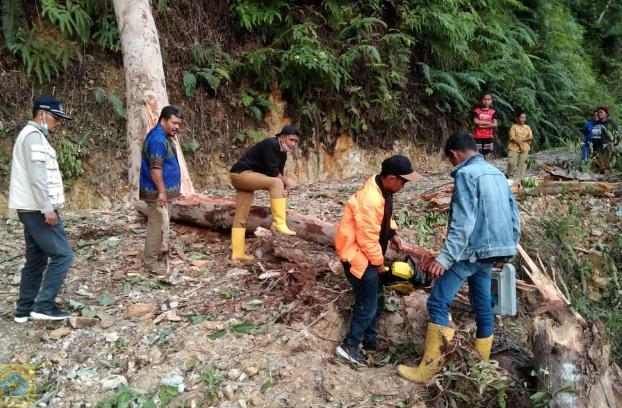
(262, 232)
(111, 337)
(234, 374)
(251, 371)
(174, 380)
(597, 232)
(237, 272)
(242, 403)
(59, 333)
(113, 382)
(105, 321)
(142, 310)
(257, 401)
(82, 322)
(269, 274)
(243, 377)
(229, 392)
(212, 325)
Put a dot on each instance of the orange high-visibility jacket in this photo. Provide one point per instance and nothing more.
(357, 240)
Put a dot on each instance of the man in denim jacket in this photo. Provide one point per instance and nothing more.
(484, 227)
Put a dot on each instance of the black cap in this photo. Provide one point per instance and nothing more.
(289, 130)
(52, 105)
(399, 165)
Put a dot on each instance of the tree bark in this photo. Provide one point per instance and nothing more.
(217, 213)
(573, 356)
(145, 84)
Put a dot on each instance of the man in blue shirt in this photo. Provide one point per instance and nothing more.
(160, 182)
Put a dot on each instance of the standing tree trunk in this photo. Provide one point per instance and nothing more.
(145, 83)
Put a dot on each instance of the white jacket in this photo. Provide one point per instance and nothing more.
(36, 180)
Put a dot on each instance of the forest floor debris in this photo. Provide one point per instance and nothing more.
(263, 334)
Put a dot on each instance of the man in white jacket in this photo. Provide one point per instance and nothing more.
(36, 192)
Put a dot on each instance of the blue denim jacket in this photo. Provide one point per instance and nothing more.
(483, 218)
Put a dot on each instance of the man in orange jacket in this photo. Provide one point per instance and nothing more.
(361, 240)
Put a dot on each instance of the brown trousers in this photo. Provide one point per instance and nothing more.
(246, 183)
(156, 242)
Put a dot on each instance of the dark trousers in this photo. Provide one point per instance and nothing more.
(48, 258)
(368, 305)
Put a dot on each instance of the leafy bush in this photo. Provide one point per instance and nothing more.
(211, 68)
(48, 44)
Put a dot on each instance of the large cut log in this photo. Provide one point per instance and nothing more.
(217, 213)
(573, 357)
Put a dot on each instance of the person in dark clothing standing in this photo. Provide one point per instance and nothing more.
(362, 238)
(603, 138)
(262, 168)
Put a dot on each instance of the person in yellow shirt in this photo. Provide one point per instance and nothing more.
(521, 137)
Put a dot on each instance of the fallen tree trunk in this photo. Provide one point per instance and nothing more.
(573, 357)
(217, 213)
(595, 188)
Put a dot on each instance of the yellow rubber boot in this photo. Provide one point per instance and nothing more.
(279, 216)
(238, 245)
(483, 347)
(432, 360)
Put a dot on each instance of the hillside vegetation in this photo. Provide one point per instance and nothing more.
(377, 69)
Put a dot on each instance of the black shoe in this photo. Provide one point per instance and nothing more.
(53, 314)
(371, 346)
(21, 317)
(351, 355)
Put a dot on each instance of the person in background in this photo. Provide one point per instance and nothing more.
(484, 228)
(361, 240)
(587, 136)
(519, 144)
(604, 138)
(484, 118)
(262, 168)
(36, 191)
(160, 183)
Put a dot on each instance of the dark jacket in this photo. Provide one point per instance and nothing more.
(265, 157)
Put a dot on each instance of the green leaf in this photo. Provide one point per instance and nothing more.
(88, 312)
(217, 335)
(75, 305)
(190, 84)
(244, 328)
(105, 299)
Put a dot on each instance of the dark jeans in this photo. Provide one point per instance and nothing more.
(44, 243)
(368, 305)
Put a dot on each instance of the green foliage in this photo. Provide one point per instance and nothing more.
(71, 18)
(256, 104)
(252, 135)
(126, 398)
(47, 44)
(12, 14)
(254, 14)
(107, 33)
(43, 56)
(70, 156)
(211, 68)
(108, 98)
(345, 65)
(212, 379)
